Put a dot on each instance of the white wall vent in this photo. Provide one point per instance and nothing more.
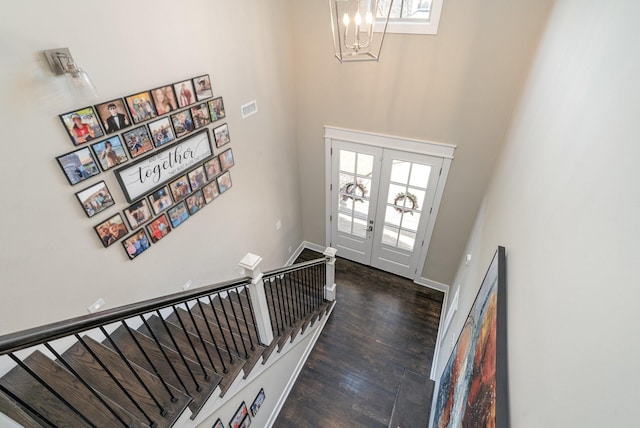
(249, 109)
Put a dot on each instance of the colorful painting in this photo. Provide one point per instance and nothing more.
(472, 388)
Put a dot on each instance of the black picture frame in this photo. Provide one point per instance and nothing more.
(224, 182)
(218, 424)
(182, 123)
(111, 230)
(200, 115)
(226, 160)
(184, 92)
(137, 213)
(202, 86)
(159, 228)
(164, 99)
(210, 191)
(216, 109)
(195, 202)
(161, 131)
(160, 200)
(180, 188)
(137, 243)
(95, 198)
(178, 214)
(138, 141)
(110, 157)
(82, 125)
(78, 165)
(221, 135)
(212, 168)
(239, 416)
(257, 402)
(113, 109)
(141, 107)
(197, 178)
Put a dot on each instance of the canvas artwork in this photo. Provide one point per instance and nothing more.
(472, 388)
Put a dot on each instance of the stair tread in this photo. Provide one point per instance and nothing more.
(29, 390)
(185, 347)
(19, 414)
(129, 347)
(80, 359)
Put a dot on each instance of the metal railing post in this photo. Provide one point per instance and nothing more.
(251, 265)
(330, 286)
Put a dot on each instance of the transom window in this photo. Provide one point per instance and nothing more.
(411, 16)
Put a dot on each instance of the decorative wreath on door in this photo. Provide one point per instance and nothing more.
(403, 199)
(355, 191)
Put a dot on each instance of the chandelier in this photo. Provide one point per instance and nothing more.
(358, 28)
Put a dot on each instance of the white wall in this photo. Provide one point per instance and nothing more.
(52, 265)
(564, 202)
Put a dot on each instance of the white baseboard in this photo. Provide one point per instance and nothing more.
(438, 286)
(301, 247)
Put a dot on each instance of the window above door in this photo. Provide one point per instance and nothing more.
(411, 16)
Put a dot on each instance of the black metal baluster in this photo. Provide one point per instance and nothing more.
(84, 382)
(163, 411)
(26, 406)
(203, 342)
(286, 304)
(244, 316)
(152, 423)
(273, 307)
(215, 344)
(251, 312)
(166, 327)
(235, 317)
(293, 300)
(220, 326)
(193, 347)
(153, 367)
(226, 317)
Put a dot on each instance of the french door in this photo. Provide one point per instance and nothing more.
(381, 202)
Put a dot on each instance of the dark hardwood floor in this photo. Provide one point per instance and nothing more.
(377, 345)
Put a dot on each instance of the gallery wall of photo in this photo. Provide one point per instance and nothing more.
(159, 143)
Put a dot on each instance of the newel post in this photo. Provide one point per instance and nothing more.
(251, 265)
(330, 286)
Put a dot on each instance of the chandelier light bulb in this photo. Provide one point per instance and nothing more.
(345, 19)
(369, 18)
(358, 19)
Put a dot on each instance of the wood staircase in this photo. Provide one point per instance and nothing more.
(145, 367)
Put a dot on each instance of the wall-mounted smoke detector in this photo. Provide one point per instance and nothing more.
(249, 109)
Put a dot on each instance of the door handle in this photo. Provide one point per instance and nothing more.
(370, 228)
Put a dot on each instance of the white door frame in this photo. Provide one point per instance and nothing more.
(444, 151)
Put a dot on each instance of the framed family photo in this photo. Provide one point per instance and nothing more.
(159, 228)
(110, 152)
(224, 182)
(180, 188)
(95, 198)
(226, 159)
(136, 244)
(184, 93)
(197, 178)
(200, 115)
(113, 116)
(141, 106)
(138, 141)
(78, 165)
(111, 230)
(161, 131)
(218, 424)
(195, 202)
(138, 213)
(212, 168)
(164, 99)
(160, 200)
(178, 214)
(182, 123)
(221, 135)
(257, 403)
(216, 109)
(210, 192)
(203, 87)
(82, 125)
